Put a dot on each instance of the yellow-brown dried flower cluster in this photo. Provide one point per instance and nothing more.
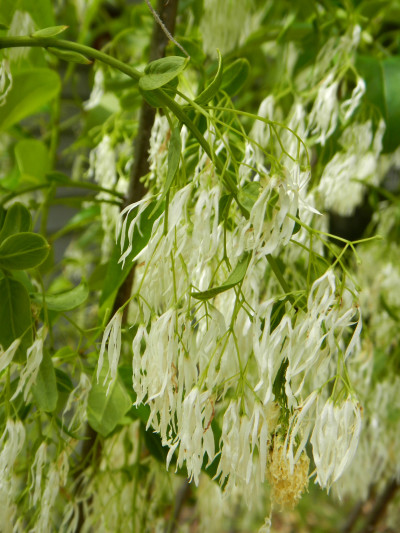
(287, 487)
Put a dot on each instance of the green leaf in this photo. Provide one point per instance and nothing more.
(33, 159)
(15, 317)
(277, 313)
(106, 411)
(66, 353)
(154, 444)
(212, 89)
(382, 78)
(23, 250)
(235, 76)
(64, 383)
(3, 26)
(174, 154)
(161, 71)
(18, 219)
(391, 77)
(235, 277)
(117, 273)
(96, 278)
(142, 411)
(30, 91)
(64, 301)
(3, 213)
(49, 32)
(44, 389)
(223, 207)
(248, 195)
(154, 100)
(278, 387)
(68, 55)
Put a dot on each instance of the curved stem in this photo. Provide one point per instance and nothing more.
(91, 53)
(165, 99)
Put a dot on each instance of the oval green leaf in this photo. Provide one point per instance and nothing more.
(44, 389)
(235, 76)
(18, 219)
(52, 31)
(158, 73)
(15, 317)
(64, 301)
(236, 276)
(153, 98)
(23, 250)
(106, 411)
(30, 91)
(33, 160)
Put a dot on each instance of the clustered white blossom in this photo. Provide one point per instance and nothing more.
(103, 170)
(341, 186)
(190, 356)
(226, 24)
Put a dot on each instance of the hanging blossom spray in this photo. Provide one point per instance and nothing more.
(220, 344)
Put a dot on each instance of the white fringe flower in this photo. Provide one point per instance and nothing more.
(34, 356)
(112, 336)
(335, 439)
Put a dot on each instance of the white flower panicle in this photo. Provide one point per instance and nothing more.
(97, 91)
(34, 356)
(226, 24)
(75, 410)
(37, 471)
(195, 436)
(349, 106)
(55, 479)
(379, 445)
(241, 437)
(190, 355)
(323, 118)
(341, 185)
(112, 335)
(103, 170)
(6, 356)
(11, 445)
(335, 439)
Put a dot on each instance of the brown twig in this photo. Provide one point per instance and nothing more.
(356, 512)
(379, 509)
(181, 497)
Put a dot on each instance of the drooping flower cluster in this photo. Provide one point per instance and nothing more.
(202, 353)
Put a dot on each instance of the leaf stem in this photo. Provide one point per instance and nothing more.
(91, 53)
